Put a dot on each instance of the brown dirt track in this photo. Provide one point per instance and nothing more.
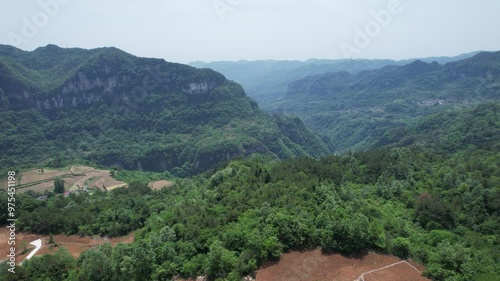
(75, 244)
(314, 266)
(394, 273)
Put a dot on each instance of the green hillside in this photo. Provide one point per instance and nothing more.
(356, 111)
(254, 186)
(438, 209)
(112, 108)
(266, 81)
(451, 130)
(433, 197)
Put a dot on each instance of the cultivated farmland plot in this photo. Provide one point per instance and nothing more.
(76, 178)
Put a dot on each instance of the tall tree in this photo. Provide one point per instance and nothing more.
(59, 185)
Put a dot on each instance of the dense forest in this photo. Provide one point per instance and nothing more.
(441, 210)
(415, 177)
(438, 206)
(266, 81)
(357, 110)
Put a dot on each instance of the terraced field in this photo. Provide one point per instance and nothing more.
(76, 178)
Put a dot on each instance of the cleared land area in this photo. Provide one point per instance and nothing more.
(315, 266)
(75, 244)
(157, 185)
(75, 178)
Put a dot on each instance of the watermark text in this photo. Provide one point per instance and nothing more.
(363, 37)
(31, 26)
(11, 220)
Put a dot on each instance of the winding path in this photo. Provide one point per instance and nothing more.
(362, 276)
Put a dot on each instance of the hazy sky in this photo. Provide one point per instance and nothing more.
(209, 30)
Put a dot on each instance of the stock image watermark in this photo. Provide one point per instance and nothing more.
(222, 7)
(31, 26)
(11, 220)
(151, 81)
(11, 225)
(363, 36)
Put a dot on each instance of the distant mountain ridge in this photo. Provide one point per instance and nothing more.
(116, 109)
(355, 110)
(266, 81)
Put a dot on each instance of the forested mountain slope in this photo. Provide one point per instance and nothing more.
(450, 131)
(430, 194)
(266, 81)
(113, 108)
(438, 209)
(356, 111)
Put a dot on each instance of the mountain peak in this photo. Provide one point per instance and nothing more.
(50, 48)
(418, 66)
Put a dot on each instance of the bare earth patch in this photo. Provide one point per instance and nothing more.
(35, 175)
(157, 185)
(75, 244)
(41, 187)
(314, 266)
(80, 169)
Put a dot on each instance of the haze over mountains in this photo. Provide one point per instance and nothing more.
(116, 109)
(259, 140)
(356, 110)
(357, 102)
(250, 187)
(266, 81)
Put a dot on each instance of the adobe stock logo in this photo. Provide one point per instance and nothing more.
(39, 20)
(373, 28)
(222, 7)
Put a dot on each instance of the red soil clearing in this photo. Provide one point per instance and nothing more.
(314, 266)
(75, 244)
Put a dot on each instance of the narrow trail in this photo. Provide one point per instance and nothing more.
(106, 240)
(362, 276)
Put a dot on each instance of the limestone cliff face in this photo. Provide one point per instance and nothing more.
(86, 89)
(55, 78)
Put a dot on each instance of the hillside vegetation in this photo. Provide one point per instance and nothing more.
(255, 186)
(266, 81)
(451, 130)
(112, 108)
(435, 201)
(356, 111)
(441, 210)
